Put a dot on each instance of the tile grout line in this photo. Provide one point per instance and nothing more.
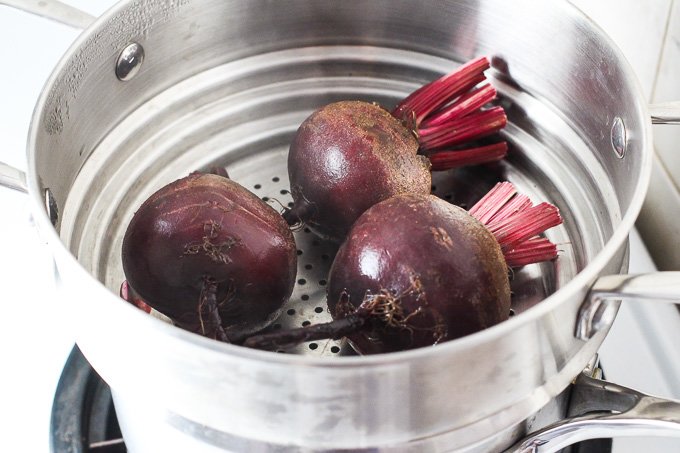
(664, 42)
(662, 51)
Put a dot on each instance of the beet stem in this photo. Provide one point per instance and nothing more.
(448, 111)
(330, 330)
(493, 201)
(463, 106)
(437, 93)
(460, 130)
(518, 203)
(533, 250)
(446, 160)
(514, 230)
(515, 223)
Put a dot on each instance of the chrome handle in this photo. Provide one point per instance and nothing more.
(634, 414)
(665, 113)
(13, 178)
(54, 10)
(597, 311)
(661, 286)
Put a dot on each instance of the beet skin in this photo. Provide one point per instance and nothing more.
(432, 270)
(346, 157)
(206, 232)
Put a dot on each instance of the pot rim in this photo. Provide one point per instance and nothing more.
(584, 279)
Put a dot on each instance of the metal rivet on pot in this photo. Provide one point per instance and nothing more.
(619, 137)
(51, 207)
(129, 62)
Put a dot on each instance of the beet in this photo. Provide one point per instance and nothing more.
(438, 272)
(345, 158)
(211, 256)
(349, 155)
(416, 270)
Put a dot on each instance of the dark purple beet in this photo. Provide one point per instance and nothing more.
(349, 155)
(346, 157)
(437, 271)
(203, 243)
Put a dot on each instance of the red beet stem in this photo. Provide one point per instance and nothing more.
(518, 203)
(533, 250)
(434, 95)
(459, 130)
(128, 294)
(519, 227)
(447, 112)
(493, 201)
(446, 160)
(463, 106)
(500, 203)
(514, 222)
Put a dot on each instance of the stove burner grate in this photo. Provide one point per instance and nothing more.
(83, 417)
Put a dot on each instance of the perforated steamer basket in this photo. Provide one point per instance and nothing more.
(243, 132)
(227, 83)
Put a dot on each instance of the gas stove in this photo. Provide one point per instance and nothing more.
(640, 351)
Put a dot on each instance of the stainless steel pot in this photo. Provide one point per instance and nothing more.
(155, 89)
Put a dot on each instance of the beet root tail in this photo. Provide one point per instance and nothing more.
(208, 313)
(333, 330)
(300, 213)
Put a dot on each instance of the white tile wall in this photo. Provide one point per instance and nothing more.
(648, 33)
(659, 218)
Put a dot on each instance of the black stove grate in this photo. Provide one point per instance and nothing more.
(83, 417)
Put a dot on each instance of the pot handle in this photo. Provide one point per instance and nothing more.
(665, 113)
(597, 310)
(13, 178)
(54, 10)
(621, 412)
